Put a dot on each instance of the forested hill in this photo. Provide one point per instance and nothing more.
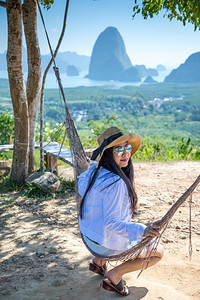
(187, 72)
(159, 109)
(63, 59)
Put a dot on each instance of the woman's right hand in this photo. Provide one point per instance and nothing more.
(82, 161)
(152, 230)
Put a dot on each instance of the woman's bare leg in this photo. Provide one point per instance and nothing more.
(99, 262)
(115, 275)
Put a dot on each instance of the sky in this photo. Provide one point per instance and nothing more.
(149, 42)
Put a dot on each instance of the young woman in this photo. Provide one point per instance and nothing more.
(108, 202)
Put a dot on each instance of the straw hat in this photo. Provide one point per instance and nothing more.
(113, 137)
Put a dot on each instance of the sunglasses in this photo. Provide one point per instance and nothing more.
(120, 150)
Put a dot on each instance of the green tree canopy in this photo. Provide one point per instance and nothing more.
(47, 3)
(182, 10)
(6, 128)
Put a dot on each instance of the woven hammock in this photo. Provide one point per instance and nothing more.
(76, 147)
(135, 251)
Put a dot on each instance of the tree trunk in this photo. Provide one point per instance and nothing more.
(33, 86)
(18, 92)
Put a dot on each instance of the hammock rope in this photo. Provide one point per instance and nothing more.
(190, 226)
(76, 147)
(48, 40)
(59, 128)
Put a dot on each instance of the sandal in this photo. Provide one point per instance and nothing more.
(119, 288)
(97, 269)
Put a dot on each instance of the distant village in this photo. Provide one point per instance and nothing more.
(81, 115)
(157, 102)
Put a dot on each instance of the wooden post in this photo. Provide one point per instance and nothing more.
(50, 161)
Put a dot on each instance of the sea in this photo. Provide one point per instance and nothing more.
(77, 81)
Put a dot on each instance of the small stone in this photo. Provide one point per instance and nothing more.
(184, 228)
(170, 202)
(53, 222)
(167, 240)
(197, 232)
(40, 254)
(51, 259)
(143, 203)
(57, 282)
(71, 267)
(178, 227)
(52, 250)
(63, 274)
(36, 232)
(183, 237)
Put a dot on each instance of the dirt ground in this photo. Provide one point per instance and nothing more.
(42, 255)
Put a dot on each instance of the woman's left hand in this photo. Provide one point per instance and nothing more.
(152, 230)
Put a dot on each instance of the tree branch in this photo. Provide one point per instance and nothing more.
(3, 4)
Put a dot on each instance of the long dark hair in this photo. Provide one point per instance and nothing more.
(127, 174)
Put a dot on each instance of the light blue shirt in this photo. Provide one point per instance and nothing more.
(106, 211)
